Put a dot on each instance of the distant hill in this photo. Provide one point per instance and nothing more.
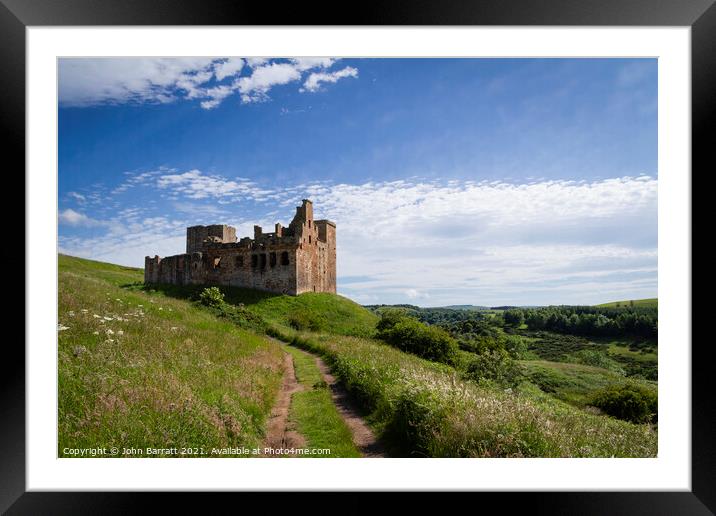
(466, 307)
(654, 301)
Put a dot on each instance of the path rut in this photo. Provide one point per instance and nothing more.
(363, 436)
(280, 434)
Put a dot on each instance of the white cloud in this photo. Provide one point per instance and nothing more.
(93, 81)
(196, 185)
(228, 68)
(306, 63)
(90, 81)
(254, 88)
(75, 218)
(313, 83)
(415, 294)
(440, 242)
(494, 243)
(77, 197)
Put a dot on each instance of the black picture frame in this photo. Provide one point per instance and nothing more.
(700, 15)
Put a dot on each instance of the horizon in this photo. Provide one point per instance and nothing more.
(448, 179)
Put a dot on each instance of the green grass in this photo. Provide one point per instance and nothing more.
(182, 376)
(629, 302)
(422, 408)
(313, 412)
(140, 369)
(573, 383)
(622, 349)
(310, 311)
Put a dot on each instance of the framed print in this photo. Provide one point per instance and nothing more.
(429, 247)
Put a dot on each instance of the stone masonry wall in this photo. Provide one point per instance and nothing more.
(292, 260)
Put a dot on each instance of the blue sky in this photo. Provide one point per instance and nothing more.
(481, 181)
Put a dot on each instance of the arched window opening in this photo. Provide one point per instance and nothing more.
(284, 258)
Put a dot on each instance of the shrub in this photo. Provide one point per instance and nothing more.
(629, 402)
(389, 318)
(212, 296)
(494, 366)
(410, 335)
(516, 346)
(597, 359)
(304, 320)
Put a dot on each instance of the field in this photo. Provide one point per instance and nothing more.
(151, 367)
(139, 369)
(652, 302)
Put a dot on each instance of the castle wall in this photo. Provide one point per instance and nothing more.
(292, 260)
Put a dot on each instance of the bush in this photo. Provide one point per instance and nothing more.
(408, 334)
(494, 366)
(597, 359)
(302, 320)
(628, 402)
(212, 296)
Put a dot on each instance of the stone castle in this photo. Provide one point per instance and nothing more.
(291, 260)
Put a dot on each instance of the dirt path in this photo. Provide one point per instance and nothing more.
(280, 434)
(363, 436)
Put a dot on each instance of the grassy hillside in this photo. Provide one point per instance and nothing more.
(573, 383)
(139, 369)
(143, 366)
(310, 311)
(425, 409)
(629, 302)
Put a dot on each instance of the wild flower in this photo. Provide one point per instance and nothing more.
(71, 313)
(95, 333)
(109, 332)
(120, 332)
(60, 327)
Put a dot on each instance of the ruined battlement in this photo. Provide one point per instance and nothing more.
(293, 259)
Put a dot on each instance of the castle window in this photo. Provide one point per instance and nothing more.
(263, 260)
(239, 261)
(254, 260)
(309, 239)
(284, 258)
(272, 259)
(217, 262)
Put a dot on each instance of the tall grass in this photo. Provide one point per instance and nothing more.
(425, 409)
(139, 369)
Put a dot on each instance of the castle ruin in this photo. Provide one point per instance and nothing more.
(291, 260)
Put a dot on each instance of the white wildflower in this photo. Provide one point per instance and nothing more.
(95, 333)
(109, 332)
(120, 332)
(61, 327)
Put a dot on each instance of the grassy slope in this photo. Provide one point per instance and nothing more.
(426, 406)
(141, 369)
(573, 383)
(314, 311)
(313, 411)
(637, 302)
(432, 412)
